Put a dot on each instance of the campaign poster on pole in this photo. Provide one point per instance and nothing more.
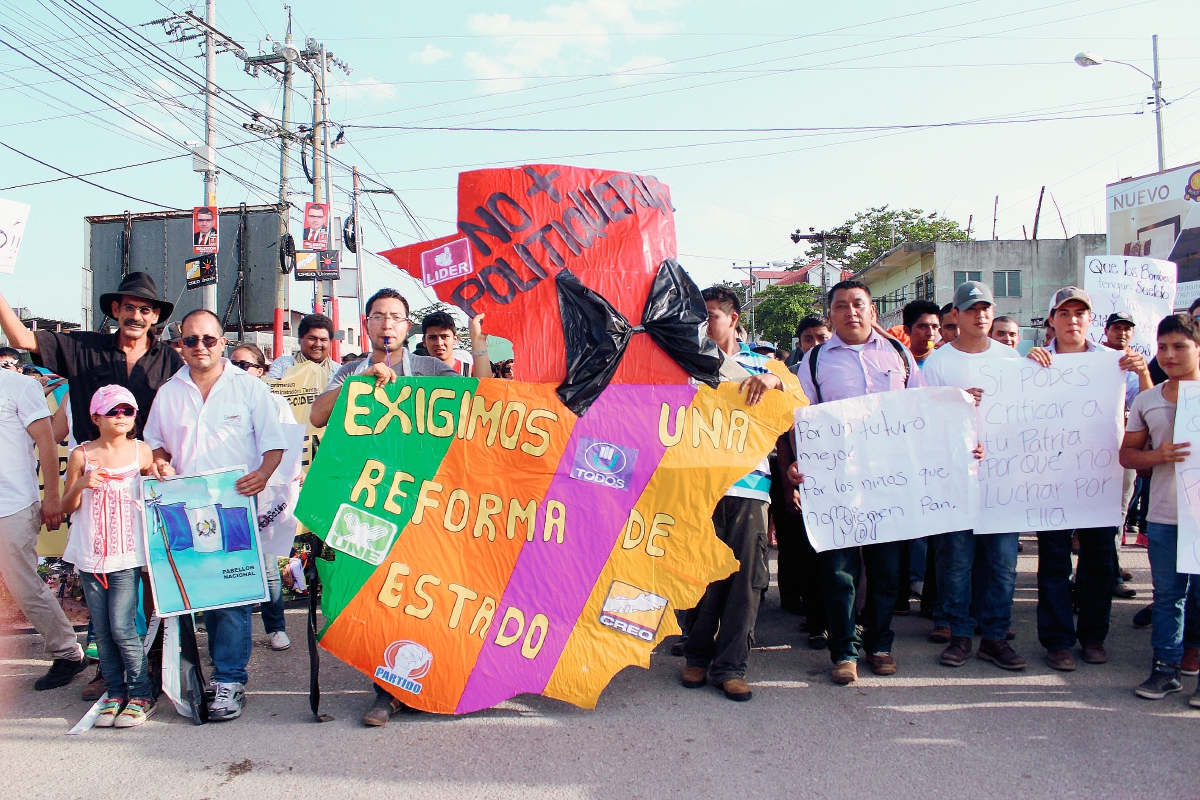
(13, 216)
(205, 231)
(1051, 437)
(202, 545)
(1158, 216)
(887, 467)
(317, 265)
(201, 271)
(316, 227)
(1187, 478)
(1144, 288)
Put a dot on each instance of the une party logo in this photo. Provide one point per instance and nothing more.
(605, 463)
(361, 534)
(404, 663)
(446, 263)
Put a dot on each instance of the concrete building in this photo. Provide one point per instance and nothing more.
(1023, 274)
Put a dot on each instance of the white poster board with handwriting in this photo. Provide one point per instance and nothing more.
(1051, 435)
(887, 467)
(1187, 478)
(13, 216)
(1144, 288)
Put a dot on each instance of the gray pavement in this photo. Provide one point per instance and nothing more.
(929, 731)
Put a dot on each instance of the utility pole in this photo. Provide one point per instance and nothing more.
(822, 237)
(1158, 104)
(1037, 215)
(282, 279)
(208, 294)
(995, 213)
(358, 246)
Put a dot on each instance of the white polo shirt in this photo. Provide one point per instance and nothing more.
(22, 402)
(236, 425)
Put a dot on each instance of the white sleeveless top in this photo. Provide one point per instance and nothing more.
(106, 531)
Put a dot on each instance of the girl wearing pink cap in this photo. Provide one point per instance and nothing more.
(108, 551)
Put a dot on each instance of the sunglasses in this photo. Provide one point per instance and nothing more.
(121, 411)
(10, 365)
(247, 365)
(209, 341)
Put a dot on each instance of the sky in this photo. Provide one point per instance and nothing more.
(941, 105)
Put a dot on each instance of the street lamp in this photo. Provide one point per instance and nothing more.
(1086, 59)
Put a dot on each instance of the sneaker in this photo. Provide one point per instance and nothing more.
(280, 641)
(1001, 654)
(917, 588)
(95, 688)
(92, 651)
(383, 709)
(1163, 680)
(1141, 540)
(845, 672)
(957, 652)
(228, 701)
(1144, 617)
(1194, 700)
(1061, 659)
(62, 671)
(679, 649)
(882, 663)
(901, 608)
(1123, 592)
(1190, 665)
(819, 640)
(940, 634)
(135, 713)
(109, 710)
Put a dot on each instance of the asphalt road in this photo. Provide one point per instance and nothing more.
(929, 731)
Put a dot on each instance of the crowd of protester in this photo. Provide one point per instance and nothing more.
(158, 400)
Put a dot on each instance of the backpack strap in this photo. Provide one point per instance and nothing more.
(900, 351)
(812, 369)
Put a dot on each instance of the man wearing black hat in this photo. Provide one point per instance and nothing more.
(132, 357)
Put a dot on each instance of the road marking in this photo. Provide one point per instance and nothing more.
(951, 742)
(780, 684)
(928, 708)
(999, 680)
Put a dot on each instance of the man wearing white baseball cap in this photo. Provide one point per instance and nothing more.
(1070, 318)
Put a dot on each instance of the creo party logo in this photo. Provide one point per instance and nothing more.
(404, 664)
(605, 463)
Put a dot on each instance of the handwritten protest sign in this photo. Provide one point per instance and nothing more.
(1144, 288)
(202, 545)
(887, 467)
(13, 216)
(1052, 435)
(1187, 478)
(300, 385)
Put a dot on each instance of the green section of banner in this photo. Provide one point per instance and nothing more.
(382, 443)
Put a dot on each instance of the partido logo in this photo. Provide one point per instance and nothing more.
(633, 611)
(605, 463)
(404, 664)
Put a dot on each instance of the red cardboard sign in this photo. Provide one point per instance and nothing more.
(524, 225)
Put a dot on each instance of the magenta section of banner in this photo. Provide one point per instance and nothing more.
(554, 579)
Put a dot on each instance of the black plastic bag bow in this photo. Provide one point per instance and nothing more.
(597, 335)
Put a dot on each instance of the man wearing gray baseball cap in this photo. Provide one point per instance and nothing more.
(1070, 318)
(956, 553)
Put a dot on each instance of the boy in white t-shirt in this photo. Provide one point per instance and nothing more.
(961, 604)
(1152, 420)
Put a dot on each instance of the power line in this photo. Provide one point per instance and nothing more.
(85, 180)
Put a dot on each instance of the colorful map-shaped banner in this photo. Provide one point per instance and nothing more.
(486, 542)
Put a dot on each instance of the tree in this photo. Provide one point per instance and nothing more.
(778, 309)
(875, 231)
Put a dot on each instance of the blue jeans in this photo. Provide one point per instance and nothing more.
(839, 571)
(1170, 593)
(229, 643)
(976, 577)
(272, 610)
(113, 610)
(916, 560)
(1093, 583)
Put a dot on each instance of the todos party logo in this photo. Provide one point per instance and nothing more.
(405, 663)
(605, 463)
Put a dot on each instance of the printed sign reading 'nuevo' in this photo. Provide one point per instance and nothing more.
(887, 467)
(1052, 435)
